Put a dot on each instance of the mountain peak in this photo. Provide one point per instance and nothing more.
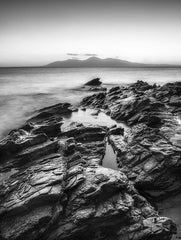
(95, 62)
(93, 59)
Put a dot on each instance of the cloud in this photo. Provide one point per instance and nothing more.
(82, 55)
(73, 54)
(90, 55)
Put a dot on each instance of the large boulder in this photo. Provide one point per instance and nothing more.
(94, 82)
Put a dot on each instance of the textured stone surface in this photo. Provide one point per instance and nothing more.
(149, 153)
(53, 187)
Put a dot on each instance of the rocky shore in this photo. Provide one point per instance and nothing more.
(54, 184)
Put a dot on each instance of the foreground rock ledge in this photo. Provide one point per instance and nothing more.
(53, 187)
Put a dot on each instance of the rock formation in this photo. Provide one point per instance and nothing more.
(149, 153)
(94, 82)
(94, 85)
(54, 187)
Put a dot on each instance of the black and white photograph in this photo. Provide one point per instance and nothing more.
(90, 120)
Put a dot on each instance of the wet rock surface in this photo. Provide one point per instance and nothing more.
(94, 85)
(94, 82)
(149, 153)
(52, 184)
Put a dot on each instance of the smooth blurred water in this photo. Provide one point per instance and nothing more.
(23, 90)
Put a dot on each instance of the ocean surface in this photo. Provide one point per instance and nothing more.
(24, 90)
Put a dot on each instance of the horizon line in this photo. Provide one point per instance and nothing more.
(156, 65)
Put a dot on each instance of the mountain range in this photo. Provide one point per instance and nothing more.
(94, 62)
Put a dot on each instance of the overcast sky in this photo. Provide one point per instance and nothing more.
(37, 32)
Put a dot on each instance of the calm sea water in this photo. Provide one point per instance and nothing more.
(23, 90)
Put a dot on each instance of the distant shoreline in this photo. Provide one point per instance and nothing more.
(174, 66)
(95, 62)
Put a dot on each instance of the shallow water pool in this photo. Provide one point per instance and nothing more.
(110, 159)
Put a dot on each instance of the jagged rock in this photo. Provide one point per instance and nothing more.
(97, 89)
(149, 152)
(96, 100)
(94, 82)
(53, 186)
(59, 196)
(141, 86)
(19, 139)
(116, 131)
(50, 127)
(52, 112)
(46, 123)
(83, 133)
(94, 85)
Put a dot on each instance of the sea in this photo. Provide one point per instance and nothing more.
(24, 90)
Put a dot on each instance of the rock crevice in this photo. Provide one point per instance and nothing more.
(54, 187)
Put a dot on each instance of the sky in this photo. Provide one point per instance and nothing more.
(38, 32)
